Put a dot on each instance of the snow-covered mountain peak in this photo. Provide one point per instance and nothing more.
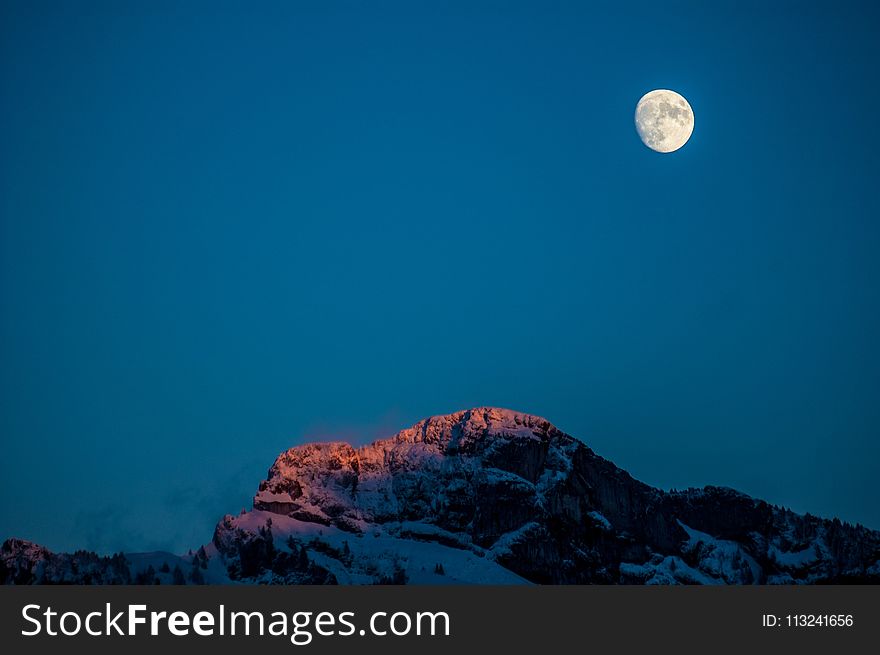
(475, 424)
(336, 483)
(484, 495)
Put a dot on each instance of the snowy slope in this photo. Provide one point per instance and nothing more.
(482, 496)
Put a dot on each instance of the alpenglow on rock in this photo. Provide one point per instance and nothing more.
(495, 496)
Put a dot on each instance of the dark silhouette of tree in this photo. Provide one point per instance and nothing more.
(398, 576)
(196, 575)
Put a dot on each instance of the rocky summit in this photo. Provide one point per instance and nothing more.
(488, 496)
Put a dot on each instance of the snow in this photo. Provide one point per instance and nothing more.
(502, 545)
(669, 570)
(601, 520)
(795, 559)
(721, 558)
(377, 553)
(270, 497)
(496, 475)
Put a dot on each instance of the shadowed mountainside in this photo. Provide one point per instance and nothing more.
(485, 495)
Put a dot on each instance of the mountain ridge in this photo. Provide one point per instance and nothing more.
(488, 495)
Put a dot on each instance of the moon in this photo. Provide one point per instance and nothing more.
(664, 120)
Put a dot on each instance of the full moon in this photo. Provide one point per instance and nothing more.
(664, 120)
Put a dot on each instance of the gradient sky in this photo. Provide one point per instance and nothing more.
(225, 230)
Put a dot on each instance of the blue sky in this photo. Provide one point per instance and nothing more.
(227, 229)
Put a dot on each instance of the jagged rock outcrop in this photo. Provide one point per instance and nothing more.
(495, 496)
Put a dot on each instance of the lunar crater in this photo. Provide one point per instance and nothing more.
(664, 120)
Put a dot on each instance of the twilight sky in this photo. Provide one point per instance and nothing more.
(227, 230)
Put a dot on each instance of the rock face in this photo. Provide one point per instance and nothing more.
(517, 492)
(494, 496)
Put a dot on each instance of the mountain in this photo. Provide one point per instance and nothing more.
(487, 496)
